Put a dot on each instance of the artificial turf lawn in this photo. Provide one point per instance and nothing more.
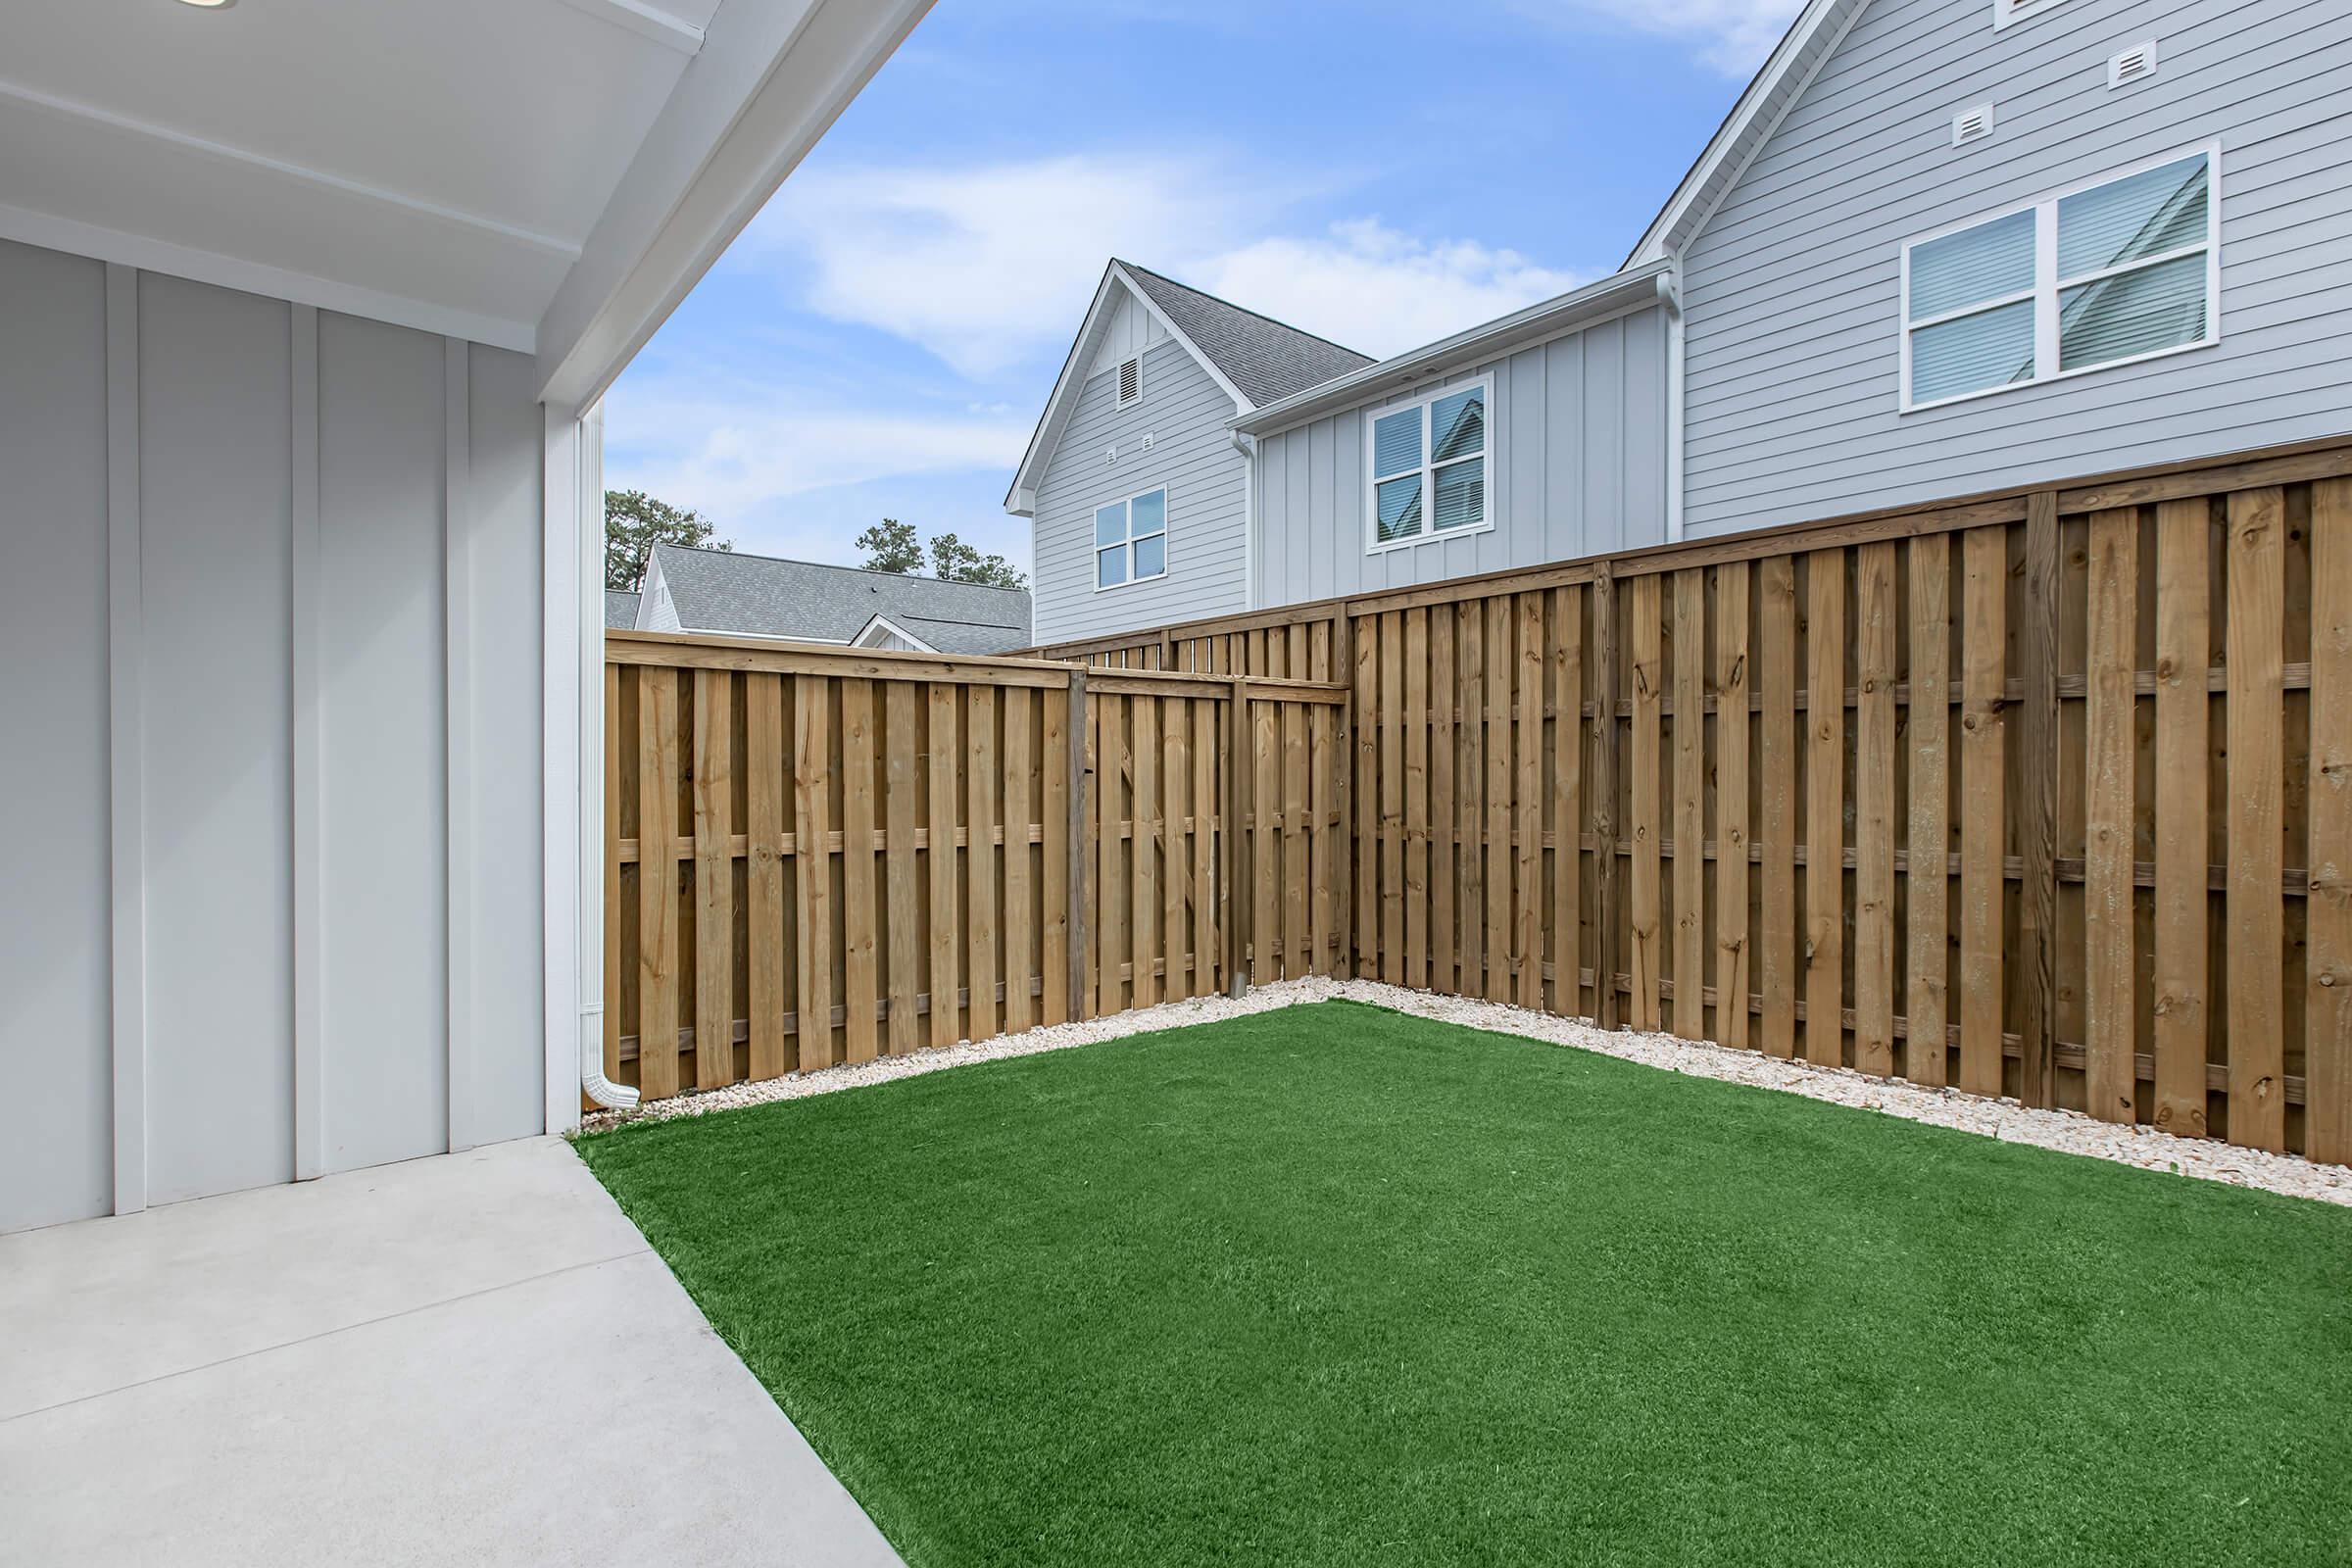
(1334, 1286)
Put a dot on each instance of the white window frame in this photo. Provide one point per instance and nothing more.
(2005, 12)
(2047, 284)
(1128, 544)
(1374, 545)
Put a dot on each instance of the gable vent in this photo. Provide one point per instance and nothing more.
(2136, 64)
(1131, 381)
(1971, 124)
(2004, 12)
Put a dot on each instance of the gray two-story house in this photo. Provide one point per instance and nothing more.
(1939, 247)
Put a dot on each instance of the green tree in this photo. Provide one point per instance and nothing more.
(635, 522)
(953, 560)
(891, 546)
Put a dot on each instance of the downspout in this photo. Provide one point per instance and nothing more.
(594, 1084)
(1246, 445)
(1670, 296)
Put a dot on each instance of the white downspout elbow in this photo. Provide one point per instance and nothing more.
(593, 1082)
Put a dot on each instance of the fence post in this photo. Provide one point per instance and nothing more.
(1081, 936)
(2038, 803)
(1232, 903)
(1342, 759)
(1608, 876)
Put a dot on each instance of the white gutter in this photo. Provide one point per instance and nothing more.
(1612, 295)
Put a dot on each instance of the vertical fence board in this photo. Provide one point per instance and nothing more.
(1142, 883)
(2255, 747)
(1776, 752)
(900, 812)
(1392, 799)
(1567, 798)
(1984, 766)
(1527, 894)
(1175, 888)
(2327, 1010)
(1824, 806)
(1928, 888)
(1874, 807)
(946, 923)
(2109, 985)
(1643, 613)
(1731, 805)
(1209, 815)
(2037, 804)
(1018, 953)
(657, 883)
(1689, 644)
(811, 770)
(2184, 710)
(861, 987)
(1266, 859)
(1416, 798)
(1444, 702)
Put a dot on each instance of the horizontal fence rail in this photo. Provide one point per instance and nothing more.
(816, 856)
(2047, 795)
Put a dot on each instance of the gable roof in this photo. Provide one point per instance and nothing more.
(1253, 359)
(620, 608)
(1785, 74)
(764, 596)
(1264, 358)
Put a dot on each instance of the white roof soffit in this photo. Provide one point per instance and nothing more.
(770, 79)
(1619, 292)
(542, 176)
(1785, 74)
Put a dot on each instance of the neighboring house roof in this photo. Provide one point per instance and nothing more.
(1254, 359)
(763, 596)
(1776, 87)
(1266, 359)
(620, 608)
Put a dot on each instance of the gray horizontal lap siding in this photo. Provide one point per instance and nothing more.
(1577, 466)
(1192, 455)
(1791, 291)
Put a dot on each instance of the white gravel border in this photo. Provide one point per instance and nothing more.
(2067, 1131)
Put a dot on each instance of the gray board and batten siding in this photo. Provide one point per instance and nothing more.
(1577, 437)
(1185, 413)
(1792, 289)
(280, 586)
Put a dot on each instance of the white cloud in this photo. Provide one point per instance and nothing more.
(986, 266)
(1733, 36)
(1377, 290)
(730, 452)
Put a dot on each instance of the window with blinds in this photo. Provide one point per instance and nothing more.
(1427, 463)
(2108, 273)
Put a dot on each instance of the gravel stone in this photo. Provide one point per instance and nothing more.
(2066, 1131)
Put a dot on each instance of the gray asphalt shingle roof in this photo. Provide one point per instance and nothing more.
(620, 608)
(760, 595)
(1263, 357)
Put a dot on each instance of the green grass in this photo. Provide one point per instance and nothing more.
(1336, 1286)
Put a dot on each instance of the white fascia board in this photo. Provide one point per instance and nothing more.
(881, 623)
(28, 228)
(1022, 500)
(1635, 288)
(771, 77)
(1754, 118)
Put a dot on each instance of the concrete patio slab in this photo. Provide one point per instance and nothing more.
(470, 1359)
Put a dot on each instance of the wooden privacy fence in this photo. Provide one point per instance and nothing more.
(815, 856)
(2045, 794)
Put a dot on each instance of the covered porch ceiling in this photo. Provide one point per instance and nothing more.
(545, 176)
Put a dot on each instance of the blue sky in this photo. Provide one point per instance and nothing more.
(881, 339)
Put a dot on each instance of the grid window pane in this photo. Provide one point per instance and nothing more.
(1397, 442)
(1152, 556)
(1148, 514)
(1991, 348)
(1458, 426)
(1461, 495)
(2142, 214)
(1978, 263)
(1110, 567)
(1110, 524)
(1397, 509)
(2159, 307)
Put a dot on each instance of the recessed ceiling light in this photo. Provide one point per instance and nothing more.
(209, 5)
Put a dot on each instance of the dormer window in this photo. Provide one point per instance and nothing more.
(1131, 381)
